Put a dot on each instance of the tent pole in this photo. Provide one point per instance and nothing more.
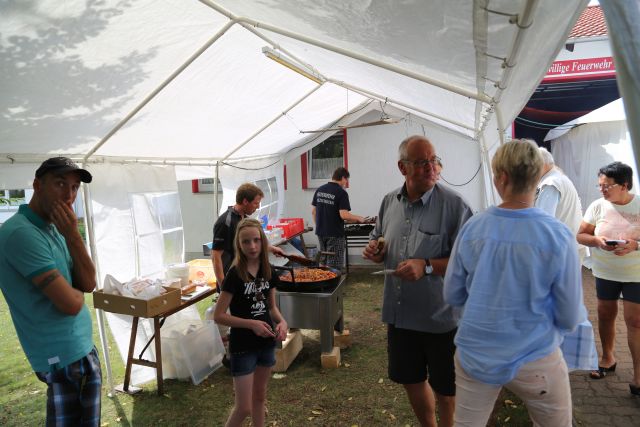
(88, 218)
(490, 196)
(626, 53)
(500, 121)
(215, 188)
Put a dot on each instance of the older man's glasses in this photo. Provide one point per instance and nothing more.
(424, 163)
(606, 187)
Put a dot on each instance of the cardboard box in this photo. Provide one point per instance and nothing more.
(136, 306)
(202, 270)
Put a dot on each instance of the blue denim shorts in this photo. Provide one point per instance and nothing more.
(245, 362)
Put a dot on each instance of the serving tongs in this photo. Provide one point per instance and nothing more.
(301, 260)
(309, 262)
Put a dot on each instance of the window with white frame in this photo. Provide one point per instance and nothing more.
(11, 199)
(269, 203)
(325, 158)
(158, 229)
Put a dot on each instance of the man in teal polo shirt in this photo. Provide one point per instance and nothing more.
(44, 272)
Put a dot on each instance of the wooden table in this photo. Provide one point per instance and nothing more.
(158, 321)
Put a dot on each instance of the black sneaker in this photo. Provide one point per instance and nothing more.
(226, 362)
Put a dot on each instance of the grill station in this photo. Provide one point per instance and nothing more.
(315, 310)
(357, 237)
(313, 305)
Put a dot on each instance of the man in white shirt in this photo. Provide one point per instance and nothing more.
(557, 196)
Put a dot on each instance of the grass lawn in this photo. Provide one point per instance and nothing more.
(357, 394)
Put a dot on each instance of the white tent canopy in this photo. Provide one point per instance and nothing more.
(186, 82)
(611, 112)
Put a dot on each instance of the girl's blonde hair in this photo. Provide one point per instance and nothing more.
(240, 260)
(521, 160)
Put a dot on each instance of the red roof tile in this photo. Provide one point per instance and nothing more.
(591, 23)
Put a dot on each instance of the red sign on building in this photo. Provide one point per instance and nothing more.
(589, 67)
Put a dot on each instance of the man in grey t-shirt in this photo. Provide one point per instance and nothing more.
(419, 222)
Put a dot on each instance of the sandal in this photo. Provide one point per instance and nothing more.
(602, 372)
(634, 389)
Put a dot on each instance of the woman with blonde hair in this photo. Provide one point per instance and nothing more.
(515, 271)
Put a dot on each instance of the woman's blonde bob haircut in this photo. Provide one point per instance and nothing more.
(521, 161)
(240, 260)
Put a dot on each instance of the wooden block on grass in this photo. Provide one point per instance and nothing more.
(290, 349)
(342, 340)
(331, 360)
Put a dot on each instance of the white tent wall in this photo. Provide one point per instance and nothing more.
(129, 240)
(17, 176)
(114, 218)
(582, 151)
(233, 175)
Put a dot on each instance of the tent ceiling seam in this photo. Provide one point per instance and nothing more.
(408, 73)
(272, 121)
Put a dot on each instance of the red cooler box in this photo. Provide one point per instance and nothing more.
(297, 224)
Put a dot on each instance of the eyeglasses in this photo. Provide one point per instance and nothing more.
(606, 187)
(423, 163)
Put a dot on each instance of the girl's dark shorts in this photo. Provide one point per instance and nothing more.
(244, 363)
(416, 356)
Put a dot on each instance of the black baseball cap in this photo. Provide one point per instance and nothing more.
(60, 166)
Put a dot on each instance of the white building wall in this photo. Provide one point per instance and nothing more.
(586, 48)
(198, 217)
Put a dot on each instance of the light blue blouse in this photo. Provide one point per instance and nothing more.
(517, 275)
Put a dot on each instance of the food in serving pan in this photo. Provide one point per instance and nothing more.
(308, 275)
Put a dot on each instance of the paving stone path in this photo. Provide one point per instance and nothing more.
(605, 402)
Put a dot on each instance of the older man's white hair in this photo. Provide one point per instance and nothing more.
(546, 156)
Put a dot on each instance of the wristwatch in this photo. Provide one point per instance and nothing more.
(428, 268)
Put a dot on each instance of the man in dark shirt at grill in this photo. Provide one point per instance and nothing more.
(330, 211)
